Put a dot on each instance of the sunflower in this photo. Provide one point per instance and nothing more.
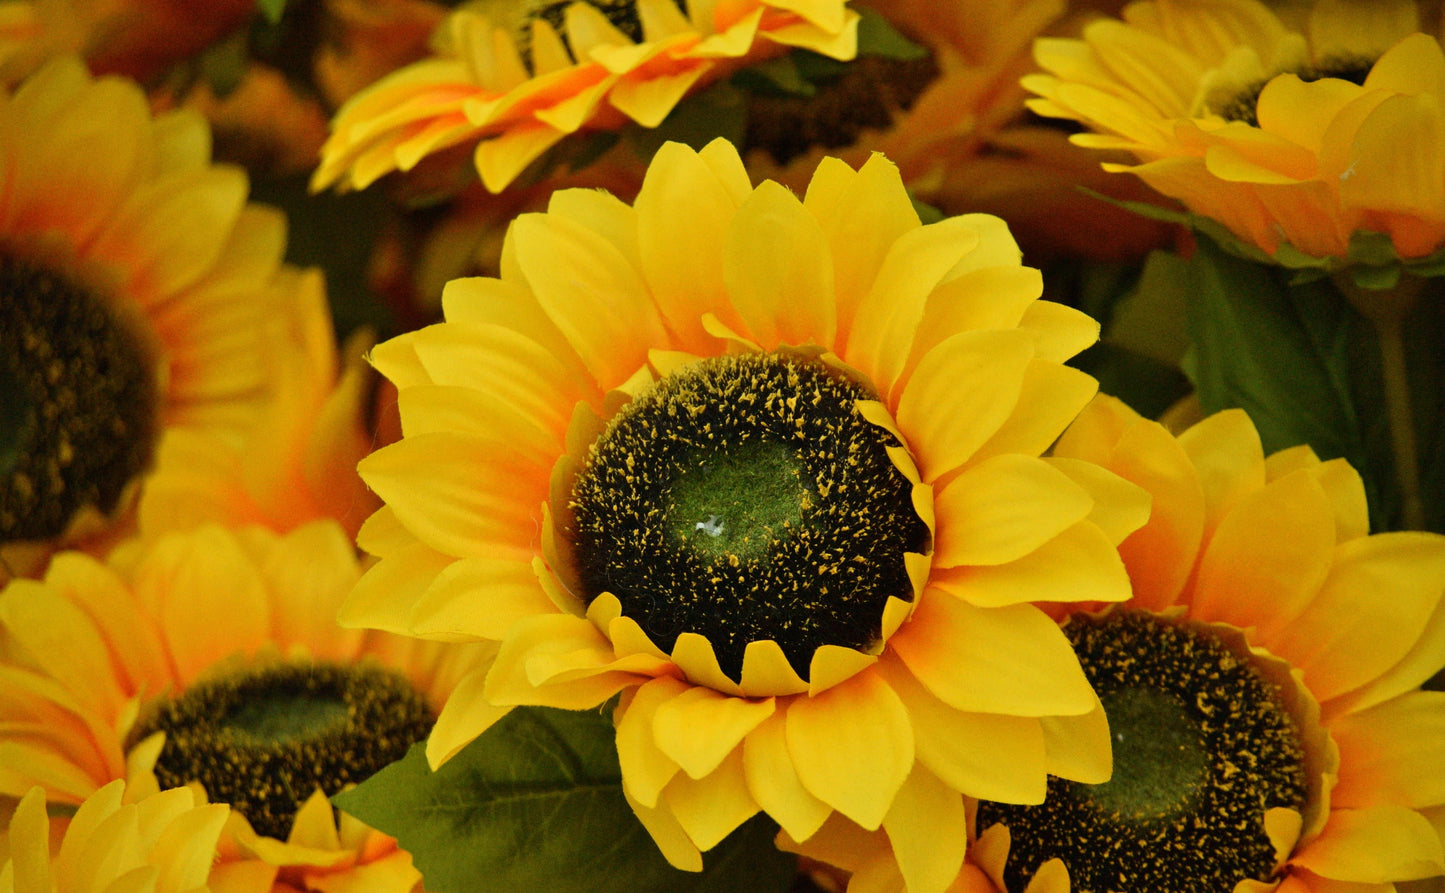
(109, 845)
(515, 77)
(1262, 685)
(1298, 144)
(297, 462)
(1269, 731)
(134, 285)
(769, 470)
(119, 670)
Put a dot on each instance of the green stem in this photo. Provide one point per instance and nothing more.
(1386, 310)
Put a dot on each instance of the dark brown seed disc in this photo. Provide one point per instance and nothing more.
(78, 403)
(744, 499)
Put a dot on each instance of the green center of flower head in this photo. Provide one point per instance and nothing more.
(850, 98)
(77, 403)
(1203, 747)
(263, 740)
(744, 498)
(1243, 105)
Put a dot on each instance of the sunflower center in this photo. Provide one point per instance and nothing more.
(1203, 747)
(868, 93)
(77, 403)
(745, 498)
(263, 740)
(1244, 105)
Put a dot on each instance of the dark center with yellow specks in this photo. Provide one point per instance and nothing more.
(622, 14)
(744, 498)
(1244, 105)
(1202, 748)
(77, 403)
(264, 740)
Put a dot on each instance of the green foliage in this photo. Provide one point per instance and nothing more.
(878, 37)
(536, 803)
(1296, 356)
(272, 9)
(720, 111)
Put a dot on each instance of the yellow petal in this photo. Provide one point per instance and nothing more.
(1229, 458)
(1079, 565)
(1338, 657)
(668, 834)
(1078, 747)
(852, 746)
(712, 807)
(1011, 660)
(864, 213)
(466, 714)
(773, 780)
(777, 270)
(1004, 508)
(646, 770)
(959, 396)
(1377, 845)
(927, 829)
(983, 755)
(1392, 753)
(880, 334)
(592, 293)
(698, 728)
(385, 594)
(478, 598)
(1268, 557)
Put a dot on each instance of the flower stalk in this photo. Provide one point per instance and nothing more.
(1386, 310)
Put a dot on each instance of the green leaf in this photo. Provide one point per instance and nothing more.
(926, 213)
(720, 111)
(775, 77)
(1281, 353)
(878, 37)
(272, 9)
(536, 803)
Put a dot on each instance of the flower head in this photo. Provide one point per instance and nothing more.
(1261, 686)
(163, 842)
(515, 77)
(769, 470)
(134, 284)
(121, 671)
(1301, 143)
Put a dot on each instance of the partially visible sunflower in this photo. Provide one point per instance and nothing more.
(297, 462)
(515, 77)
(135, 282)
(212, 658)
(164, 843)
(1289, 140)
(1262, 685)
(769, 470)
(1262, 689)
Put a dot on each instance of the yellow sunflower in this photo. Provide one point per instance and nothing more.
(135, 282)
(162, 843)
(297, 462)
(1262, 686)
(1262, 690)
(212, 659)
(1291, 141)
(769, 470)
(515, 77)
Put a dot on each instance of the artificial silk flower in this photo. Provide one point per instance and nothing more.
(1263, 697)
(769, 470)
(134, 285)
(1262, 686)
(162, 843)
(297, 462)
(1297, 143)
(212, 659)
(513, 78)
